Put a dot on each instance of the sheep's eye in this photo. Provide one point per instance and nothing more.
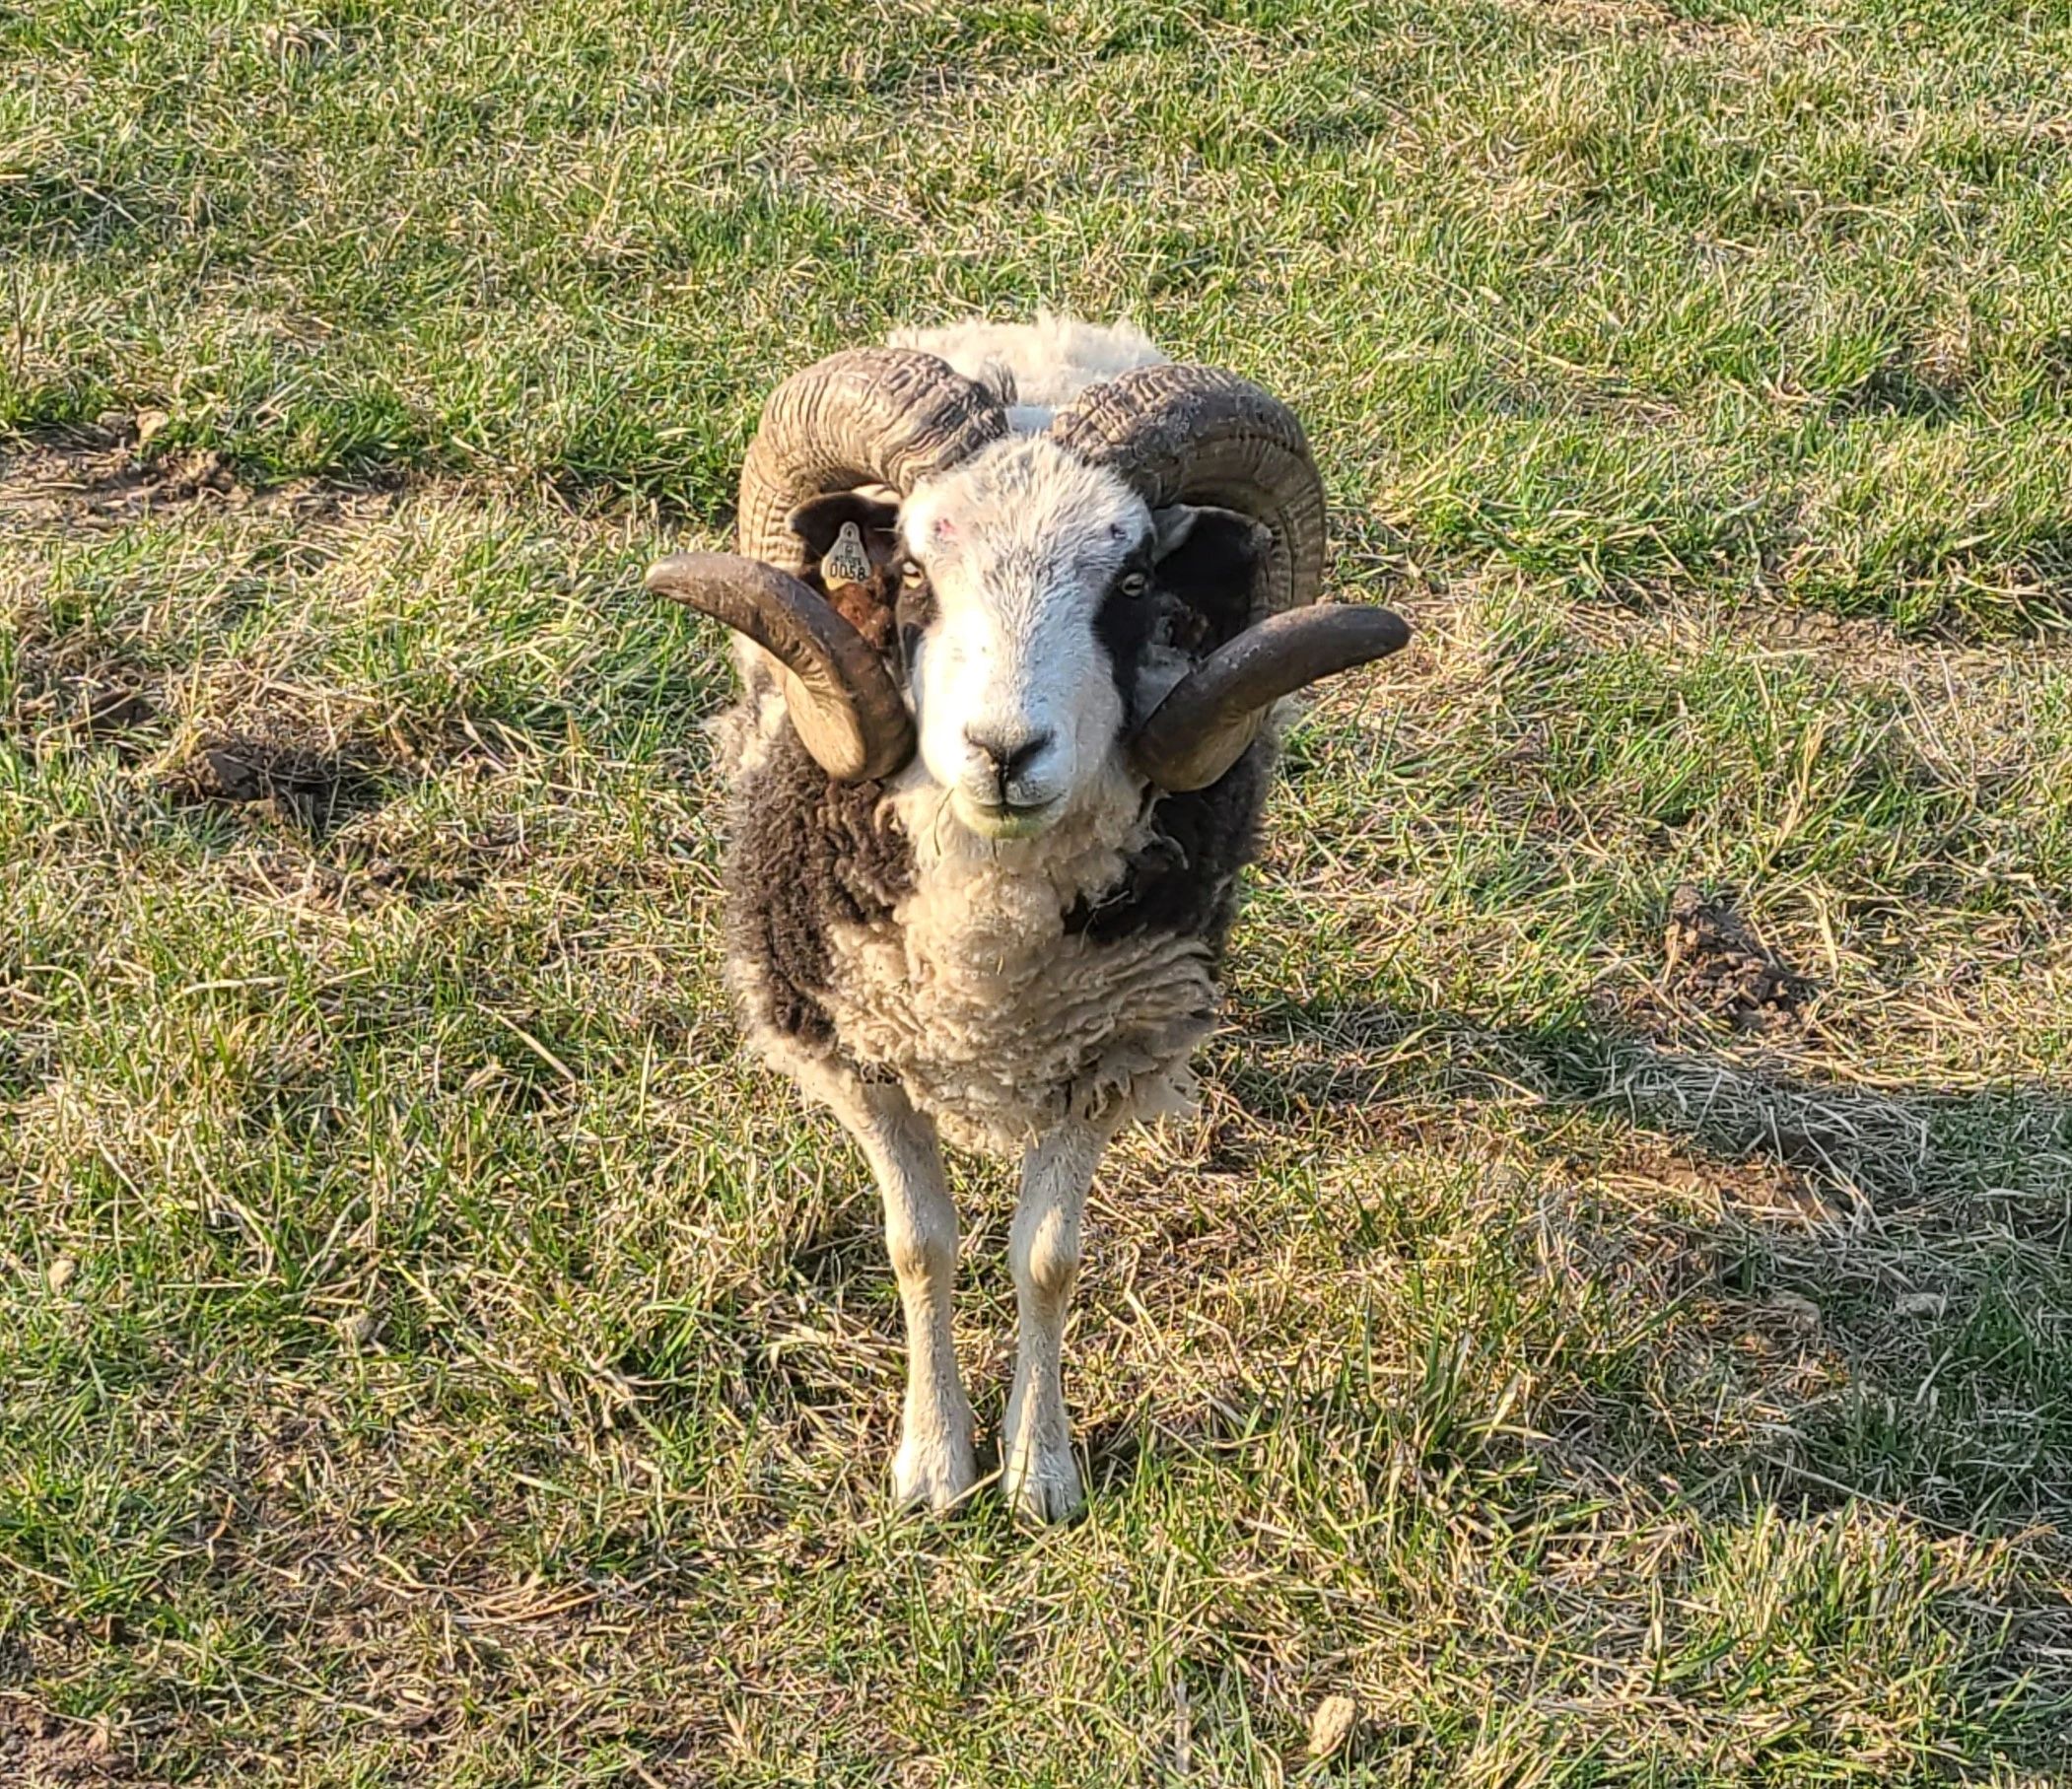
(1133, 583)
(911, 574)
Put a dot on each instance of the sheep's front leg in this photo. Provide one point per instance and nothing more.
(1038, 1470)
(934, 1463)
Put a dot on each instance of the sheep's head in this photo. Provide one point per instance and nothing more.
(1044, 608)
(1131, 587)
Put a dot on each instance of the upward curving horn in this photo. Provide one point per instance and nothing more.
(1187, 433)
(1214, 713)
(885, 416)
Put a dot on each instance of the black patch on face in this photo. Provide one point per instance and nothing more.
(1184, 880)
(1125, 624)
(1200, 595)
(805, 853)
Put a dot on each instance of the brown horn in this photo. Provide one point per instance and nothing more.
(886, 416)
(1188, 434)
(1185, 434)
(1213, 713)
(841, 697)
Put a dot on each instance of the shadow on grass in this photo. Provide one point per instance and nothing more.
(1875, 1278)
(1892, 1143)
(1830, 1292)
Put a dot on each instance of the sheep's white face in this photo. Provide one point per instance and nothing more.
(1025, 569)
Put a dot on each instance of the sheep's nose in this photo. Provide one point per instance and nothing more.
(1007, 753)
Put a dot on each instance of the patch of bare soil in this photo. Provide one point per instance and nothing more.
(39, 1750)
(109, 480)
(1714, 963)
(314, 791)
(106, 485)
(105, 703)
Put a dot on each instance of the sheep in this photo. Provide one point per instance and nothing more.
(1016, 605)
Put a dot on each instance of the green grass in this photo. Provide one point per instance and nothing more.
(428, 1353)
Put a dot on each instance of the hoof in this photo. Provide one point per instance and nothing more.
(1043, 1485)
(933, 1475)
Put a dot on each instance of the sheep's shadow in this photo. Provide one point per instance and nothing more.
(1897, 1142)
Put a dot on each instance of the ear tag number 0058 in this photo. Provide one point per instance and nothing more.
(847, 562)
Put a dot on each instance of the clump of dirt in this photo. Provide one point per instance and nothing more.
(1715, 963)
(1759, 1186)
(316, 790)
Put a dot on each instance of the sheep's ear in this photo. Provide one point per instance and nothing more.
(818, 522)
(1210, 559)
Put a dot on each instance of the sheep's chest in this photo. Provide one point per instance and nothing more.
(999, 1023)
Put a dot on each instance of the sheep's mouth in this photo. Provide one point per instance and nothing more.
(1007, 819)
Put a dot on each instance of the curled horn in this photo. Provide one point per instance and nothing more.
(1187, 433)
(886, 416)
(1181, 434)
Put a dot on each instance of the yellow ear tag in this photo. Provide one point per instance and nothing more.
(847, 562)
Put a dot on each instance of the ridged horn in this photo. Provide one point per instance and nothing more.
(1213, 714)
(884, 416)
(1187, 433)
(842, 697)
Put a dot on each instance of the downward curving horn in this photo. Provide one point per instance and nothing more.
(885, 416)
(1214, 713)
(842, 697)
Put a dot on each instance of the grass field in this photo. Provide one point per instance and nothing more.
(1615, 1340)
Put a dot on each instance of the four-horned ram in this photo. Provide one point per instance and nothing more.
(1017, 603)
